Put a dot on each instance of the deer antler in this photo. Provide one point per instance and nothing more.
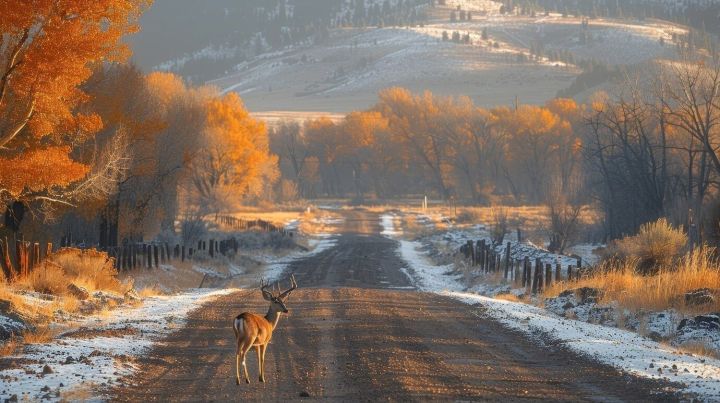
(293, 285)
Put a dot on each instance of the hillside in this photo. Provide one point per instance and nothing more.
(518, 58)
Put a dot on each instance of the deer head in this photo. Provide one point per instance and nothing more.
(277, 302)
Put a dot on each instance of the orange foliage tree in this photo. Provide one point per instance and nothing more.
(48, 48)
(235, 160)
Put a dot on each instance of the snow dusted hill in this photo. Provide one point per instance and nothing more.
(342, 68)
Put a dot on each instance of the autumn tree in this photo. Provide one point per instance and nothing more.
(48, 48)
(234, 161)
(414, 120)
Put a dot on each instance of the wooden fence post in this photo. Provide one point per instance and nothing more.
(162, 254)
(481, 250)
(6, 272)
(526, 272)
(548, 275)
(570, 272)
(537, 277)
(211, 249)
(148, 257)
(507, 260)
(540, 277)
(155, 252)
(36, 254)
(7, 262)
(519, 235)
(579, 262)
(21, 258)
(558, 275)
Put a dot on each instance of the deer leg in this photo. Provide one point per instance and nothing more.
(261, 354)
(237, 369)
(245, 349)
(237, 361)
(260, 363)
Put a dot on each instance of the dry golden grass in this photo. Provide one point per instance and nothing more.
(89, 268)
(528, 218)
(80, 393)
(620, 282)
(9, 347)
(699, 349)
(276, 217)
(508, 297)
(153, 291)
(40, 335)
(49, 278)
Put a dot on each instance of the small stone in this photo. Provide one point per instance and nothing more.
(304, 394)
(45, 389)
(47, 370)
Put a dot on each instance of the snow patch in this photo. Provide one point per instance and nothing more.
(91, 361)
(619, 348)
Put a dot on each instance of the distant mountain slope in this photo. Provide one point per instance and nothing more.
(203, 39)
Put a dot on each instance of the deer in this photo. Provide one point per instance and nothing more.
(253, 330)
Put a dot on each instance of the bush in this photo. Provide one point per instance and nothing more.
(90, 269)
(499, 225)
(49, 278)
(657, 245)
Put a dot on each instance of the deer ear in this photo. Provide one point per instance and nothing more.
(266, 294)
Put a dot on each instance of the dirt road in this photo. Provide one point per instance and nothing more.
(358, 331)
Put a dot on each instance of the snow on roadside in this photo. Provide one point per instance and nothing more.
(387, 221)
(619, 348)
(86, 361)
(427, 276)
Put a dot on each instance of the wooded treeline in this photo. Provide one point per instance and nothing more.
(648, 151)
(97, 151)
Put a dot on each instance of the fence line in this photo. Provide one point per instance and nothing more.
(518, 270)
(245, 225)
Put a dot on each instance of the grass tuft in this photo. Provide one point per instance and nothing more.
(621, 282)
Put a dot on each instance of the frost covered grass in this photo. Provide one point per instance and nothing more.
(620, 282)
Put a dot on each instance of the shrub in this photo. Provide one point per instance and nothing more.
(656, 246)
(86, 268)
(49, 278)
(91, 269)
(499, 225)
